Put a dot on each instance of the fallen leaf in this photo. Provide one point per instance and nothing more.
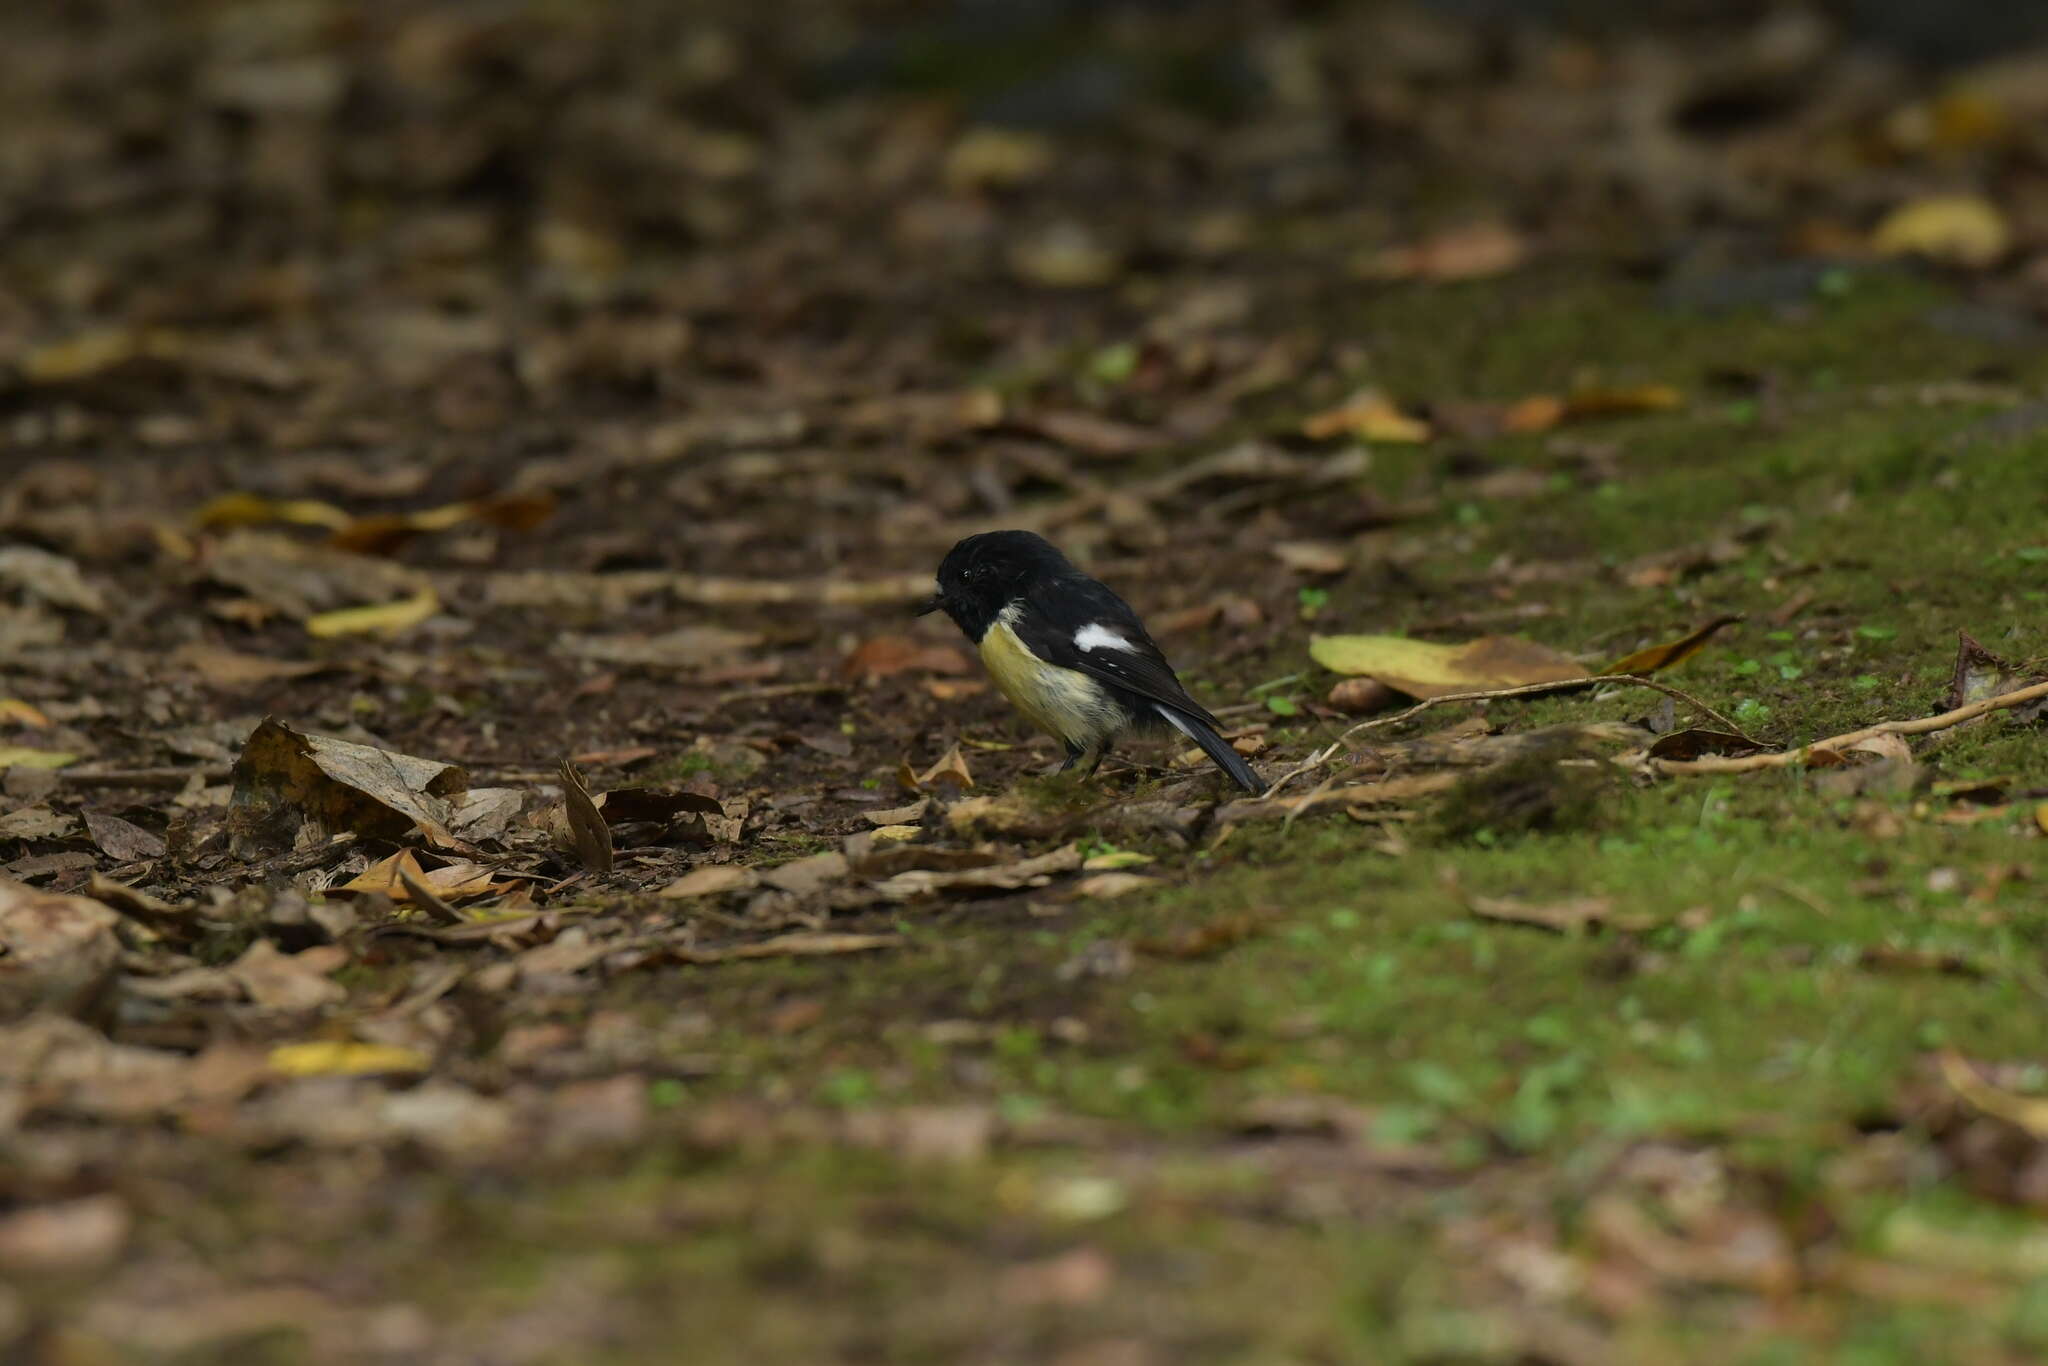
(789, 946)
(1115, 859)
(1693, 744)
(711, 880)
(20, 713)
(1104, 886)
(1961, 229)
(57, 952)
(384, 618)
(986, 157)
(1367, 415)
(899, 815)
(887, 656)
(67, 1237)
(587, 827)
(1090, 433)
(1536, 413)
(21, 756)
(1622, 401)
(332, 1058)
(1573, 915)
(1031, 872)
(485, 813)
(231, 670)
(1654, 657)
(291, 787)
(231, 510)
(290, 981)
(1423, 669)
(951, 768)
(383, 876)
(51, 578)
(1978, 674)
(1358, 696)
(1470, 251)
(2028, 1112)
(688, 647)
(2041, 817)
(36, 823)
(807, 875)
(1312, 557)
(121, 840)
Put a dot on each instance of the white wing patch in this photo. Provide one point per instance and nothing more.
(1095, 636)
(1178, 722)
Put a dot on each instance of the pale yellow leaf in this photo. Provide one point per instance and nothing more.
(384, 618)
(334, 1058)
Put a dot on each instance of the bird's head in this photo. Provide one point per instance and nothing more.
(986, 572)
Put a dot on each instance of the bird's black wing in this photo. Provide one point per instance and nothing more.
(1074, 621)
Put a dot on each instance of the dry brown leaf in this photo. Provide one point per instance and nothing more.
(899, 815)
(121, 840)
(1470, 251)
(57, 952)
(1031, 872)
(1104, 886)
(711, 880)
(790, 946)
(1573, 915)
(16, 712)
(68, 1237)
(36, 823)
(1312, 557)
(1367, 415)
(951, 768)
(290, 981)
(1692, 744)
(289, 786)
(50, 578)
(232, 670)
(887, 656)
(1536, 413)
(807, 875)
(587, 827)
(1654, 657)
(1622, 401)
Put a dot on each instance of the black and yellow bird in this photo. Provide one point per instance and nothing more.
(1069, 653)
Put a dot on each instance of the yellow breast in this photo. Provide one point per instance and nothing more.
(1063, 702)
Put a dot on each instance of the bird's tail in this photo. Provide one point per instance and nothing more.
(1215, 746)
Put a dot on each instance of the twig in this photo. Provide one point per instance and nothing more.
(1486, 694)
(1920, 726)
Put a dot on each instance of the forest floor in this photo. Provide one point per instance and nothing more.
(492, 871)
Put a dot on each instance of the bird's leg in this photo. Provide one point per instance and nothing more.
(1075, 754)
(1100, 755)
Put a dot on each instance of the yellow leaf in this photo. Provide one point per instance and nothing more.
(1421, 668)
(383, 876)
(22, 713)
(249, 509)
(1368, 415)
(1622, 402)
(89, 353)
(21, 756)
(1652, 658)
(2028, 1112)
(327, 1058)
(1113, 860)
(384, 618)
(2041, 817)
(1960, 229)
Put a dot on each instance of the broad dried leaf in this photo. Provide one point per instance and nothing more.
(1103, 886)
(230, 670)
(807, 875)
(1654, 657)
(1978, 674)
(1960, 229)
(2028, 1112)
(951, 768)
(711, 880)
(1424, 669)
(290, 981)
(384, 876)
(593, 838)
(16, 712)
(1367, 415)
(36, 823)
(485, 813)
(57, 952)
(1008, 877)
(384, 618)
(50, 577)
(1695, 744)
(337, 1058)
(291, 786)
(1313, 557)
(688, 647)
(1623, 401)
(231, 510)
(122, 840)
(1470, 251)
(887, 656)
(1574, 915)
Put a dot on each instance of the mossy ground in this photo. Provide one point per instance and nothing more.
(1793, 953)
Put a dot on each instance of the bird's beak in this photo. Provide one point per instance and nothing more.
(930, 605)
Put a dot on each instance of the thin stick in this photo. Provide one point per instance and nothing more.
(1486, 694)
(1920, 726)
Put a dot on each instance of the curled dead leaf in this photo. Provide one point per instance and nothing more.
(294, 788)
(1425, 669)
(1367, 415)
(1654, 657)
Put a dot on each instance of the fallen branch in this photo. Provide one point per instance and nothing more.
(1487, 694)
(1921, 726)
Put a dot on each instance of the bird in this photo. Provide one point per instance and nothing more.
(1068, 652)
